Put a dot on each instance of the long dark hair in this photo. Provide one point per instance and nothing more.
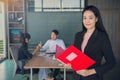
(99, 24)
(24, 36)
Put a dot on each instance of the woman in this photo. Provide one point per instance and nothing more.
(23, 53)
(93, 41)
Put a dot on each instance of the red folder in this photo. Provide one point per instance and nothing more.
(77, 58)
(59, 50)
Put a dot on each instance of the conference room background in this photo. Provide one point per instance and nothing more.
(40, 25)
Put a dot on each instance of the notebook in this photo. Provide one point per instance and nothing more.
(78, 59)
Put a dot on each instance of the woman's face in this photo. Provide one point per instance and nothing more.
(27, 40)
(53, 36)
(89, 19)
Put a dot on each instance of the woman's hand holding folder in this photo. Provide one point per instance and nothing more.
(67, 65)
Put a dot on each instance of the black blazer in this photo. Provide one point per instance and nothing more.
(98, 46)
(23, 53)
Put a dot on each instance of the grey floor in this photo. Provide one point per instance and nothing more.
(7, 69)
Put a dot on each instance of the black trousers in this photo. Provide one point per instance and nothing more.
(55, 72)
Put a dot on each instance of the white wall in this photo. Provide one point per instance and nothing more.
(2, 26)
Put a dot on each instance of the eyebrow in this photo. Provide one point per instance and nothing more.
(89, 16)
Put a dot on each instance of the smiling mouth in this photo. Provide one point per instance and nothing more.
(87, 24)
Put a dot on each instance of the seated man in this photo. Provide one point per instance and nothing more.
(50, 47)
(23, 53)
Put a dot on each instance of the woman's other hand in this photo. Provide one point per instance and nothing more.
(86, 72)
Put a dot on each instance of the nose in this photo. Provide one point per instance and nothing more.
(87, 21)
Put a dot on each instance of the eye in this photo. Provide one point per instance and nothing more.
(84, 17)
(90, 17)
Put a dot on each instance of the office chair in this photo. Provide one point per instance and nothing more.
(14, 53)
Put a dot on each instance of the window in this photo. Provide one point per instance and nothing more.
(55, 5)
